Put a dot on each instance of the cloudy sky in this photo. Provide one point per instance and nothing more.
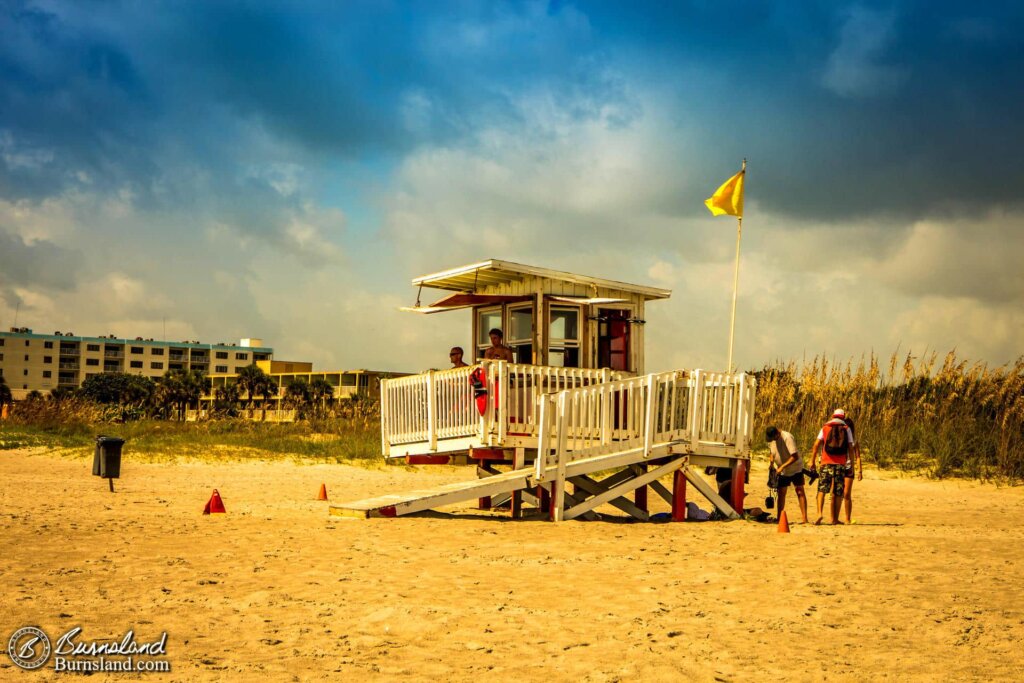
(237, 169)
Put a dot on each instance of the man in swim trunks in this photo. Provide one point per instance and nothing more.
(834, 443)
(787, 462)
(852, 463)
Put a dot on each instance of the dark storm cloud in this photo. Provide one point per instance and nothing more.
(850, 110)
(36, 264)
(846, 110)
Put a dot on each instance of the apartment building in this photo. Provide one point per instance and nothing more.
(345, 383)
(43, 362)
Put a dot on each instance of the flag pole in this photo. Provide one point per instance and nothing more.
(736, 278)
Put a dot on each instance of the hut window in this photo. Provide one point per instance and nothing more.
(564, 336)
(487, 319)
(520, 333)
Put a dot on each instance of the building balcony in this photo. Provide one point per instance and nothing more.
(68, 366)
(67, 381)
(69, 352)
(178, 358)
(113, 354)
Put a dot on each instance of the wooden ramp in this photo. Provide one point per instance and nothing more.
(399, 504)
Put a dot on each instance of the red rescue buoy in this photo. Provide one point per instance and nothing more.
(478, 379)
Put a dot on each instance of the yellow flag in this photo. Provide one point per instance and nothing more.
(728, 199)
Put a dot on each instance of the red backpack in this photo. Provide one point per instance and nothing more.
(837, 441)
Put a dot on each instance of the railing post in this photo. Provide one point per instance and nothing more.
(696, 407)
(431, 411)
(502, 389)
(651, 409)
(385, 430)
(741, 415)
(558, 485)
(543, 439)
(607, 421)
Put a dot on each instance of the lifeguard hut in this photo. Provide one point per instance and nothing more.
(574, 402)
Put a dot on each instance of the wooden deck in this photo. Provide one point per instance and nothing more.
(638, 429)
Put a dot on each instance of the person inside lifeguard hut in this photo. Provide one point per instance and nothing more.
(498, 350)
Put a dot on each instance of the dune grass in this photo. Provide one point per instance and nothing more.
(951, 419)
(956, 418)
(72, 426)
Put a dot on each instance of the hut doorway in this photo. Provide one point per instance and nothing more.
(613, 339)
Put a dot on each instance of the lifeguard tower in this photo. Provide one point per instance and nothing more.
(574, 402)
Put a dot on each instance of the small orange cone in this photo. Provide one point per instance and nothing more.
(323, 492)
(215, 504)
(783, 523)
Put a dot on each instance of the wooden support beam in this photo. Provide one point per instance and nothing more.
(662, 490)
(518, 463)
(624, 488)
(739, 477)
(594, 488)
(710, 493)
(571, 499)
(640, 495)
(679, 495)
(427, 459)
(488, 454)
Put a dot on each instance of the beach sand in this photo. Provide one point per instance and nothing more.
(927, 586)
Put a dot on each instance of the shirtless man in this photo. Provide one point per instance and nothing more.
(455, 356)
(498, 350)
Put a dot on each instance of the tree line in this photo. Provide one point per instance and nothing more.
(170, 396)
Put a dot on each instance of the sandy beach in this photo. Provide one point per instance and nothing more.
(926, 586)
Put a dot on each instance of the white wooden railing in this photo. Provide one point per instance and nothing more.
(432, 408)
(686, 408)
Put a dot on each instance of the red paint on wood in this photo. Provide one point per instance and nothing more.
(678, 496)
(484, 503)
(543, 497)
(388, 511)
(739, 472)
(427, 459)
(488, 454)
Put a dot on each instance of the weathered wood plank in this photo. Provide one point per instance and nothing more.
(624, 488)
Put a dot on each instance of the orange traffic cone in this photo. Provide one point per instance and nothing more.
(783, 523)
(323, 492)
(215, 504)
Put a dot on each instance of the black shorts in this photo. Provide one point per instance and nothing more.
(796, 480)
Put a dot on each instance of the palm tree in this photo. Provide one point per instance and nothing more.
(194, 385)
(227, 397)
(6, 398)
(254, 382)
(298, 395)
(320, 391)
(268, 390)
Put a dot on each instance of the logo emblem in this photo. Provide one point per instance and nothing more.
(29, 648)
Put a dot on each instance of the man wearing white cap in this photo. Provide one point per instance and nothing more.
(834, 443)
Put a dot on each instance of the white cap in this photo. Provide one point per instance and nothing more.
(839, 412)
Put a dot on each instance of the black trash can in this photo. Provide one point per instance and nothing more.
(106, 462)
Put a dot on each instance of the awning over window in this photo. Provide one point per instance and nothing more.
(454, 302)
(587, 301)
